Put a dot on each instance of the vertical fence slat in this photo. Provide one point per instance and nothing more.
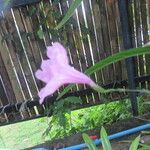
(106, 40)
(7, 27)
(4, 101)
(145, 10)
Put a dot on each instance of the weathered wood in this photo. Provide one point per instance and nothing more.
(145, 10)
(138, 24)
(106, 40)
(8, 27)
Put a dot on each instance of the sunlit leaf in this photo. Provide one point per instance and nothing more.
(144, 147)
(135, 143)
(105, 142)
(89, 142)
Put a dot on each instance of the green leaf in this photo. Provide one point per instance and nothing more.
(118, 57)
(69, 13)
(135, 143)
(67, 89)
(105, 142)
(109, 60)
(89, 142)
(144, 147)
(40, 33)
(73, 100)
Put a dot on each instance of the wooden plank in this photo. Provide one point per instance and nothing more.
(19, 16)
(85, 45)
(3, 93)
(35, 25)
(32, 46)
(106, 40)
(113, 19)
(27, 53)
(8, 86)
(147, 57)
(111, 11)
(98, 28)
(95, 56)
(4, 53)
(11, 83)
(145, 30)
(120, 40)
(7, 26)
(79, 38)
(92, 35)
(137, 9)
(3, 118)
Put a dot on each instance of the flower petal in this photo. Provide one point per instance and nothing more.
(72, 75)
(42, 76)
(49, 89)
(45, 74)
(57, 53)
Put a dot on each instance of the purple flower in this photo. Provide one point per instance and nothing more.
(56, 72)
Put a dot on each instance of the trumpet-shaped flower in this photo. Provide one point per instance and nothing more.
(56, 72)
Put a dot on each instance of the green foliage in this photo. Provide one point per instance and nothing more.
(64, 122)
(135, 143)
(40, 33)
(69, 13)
(59, 122)
(105, 142)
(89, 142)
(144, 147)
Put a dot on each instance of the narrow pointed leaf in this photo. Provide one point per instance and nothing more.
(69, 13)
(89, 142)
(135, 143)
(118, 57)
(105, 142)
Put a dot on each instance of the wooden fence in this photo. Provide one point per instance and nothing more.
(93, 33)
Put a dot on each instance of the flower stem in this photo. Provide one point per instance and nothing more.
(102, 90)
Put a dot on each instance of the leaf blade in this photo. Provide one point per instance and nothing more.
(105, 142)
(69, 13)
(89, 142)
(135, 143)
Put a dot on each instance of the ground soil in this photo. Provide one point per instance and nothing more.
(111, 129)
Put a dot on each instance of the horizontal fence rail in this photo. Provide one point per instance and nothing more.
(93, 33)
